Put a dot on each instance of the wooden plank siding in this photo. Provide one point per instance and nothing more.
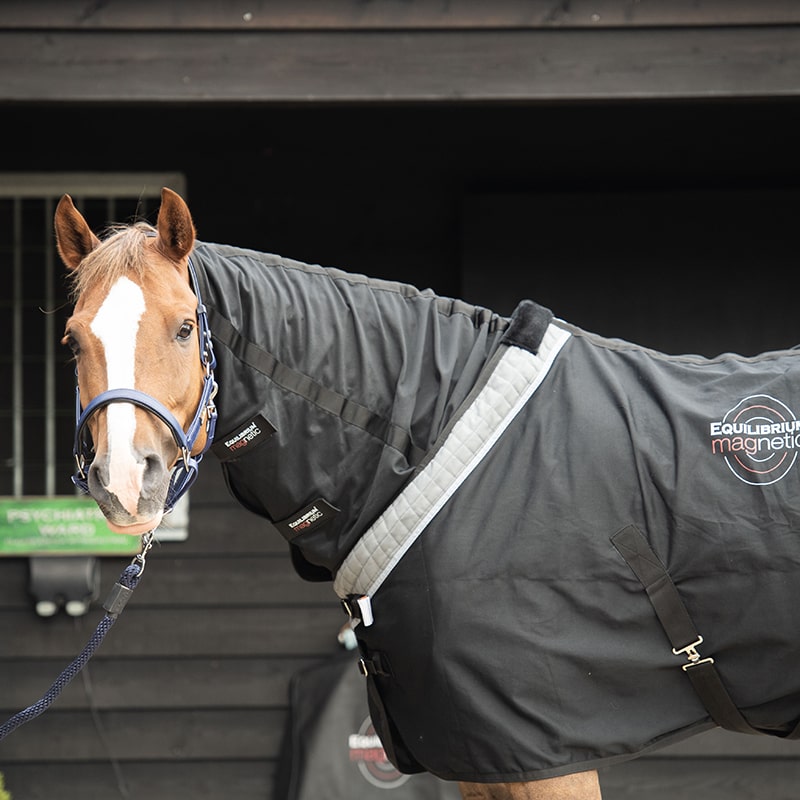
(285, 15)
(397, 52)
(430, 66)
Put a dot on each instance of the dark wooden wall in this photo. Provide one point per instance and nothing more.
(390, 138)
(351, 51)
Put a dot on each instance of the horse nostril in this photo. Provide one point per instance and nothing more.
(98, 475)
(155, 472)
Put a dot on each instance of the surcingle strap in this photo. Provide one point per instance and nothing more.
(680, 630)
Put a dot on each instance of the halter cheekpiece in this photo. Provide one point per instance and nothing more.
(185, 470)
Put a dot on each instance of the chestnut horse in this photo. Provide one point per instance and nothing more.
(584, 539)
(135, 326)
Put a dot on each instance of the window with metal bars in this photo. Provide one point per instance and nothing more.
(37, 384)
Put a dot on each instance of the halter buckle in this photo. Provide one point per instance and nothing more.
(80, 466)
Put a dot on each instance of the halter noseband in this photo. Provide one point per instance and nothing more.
(185, 471)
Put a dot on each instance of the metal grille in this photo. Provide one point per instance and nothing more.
(37, 383)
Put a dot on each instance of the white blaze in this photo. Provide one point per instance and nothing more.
(116, 325)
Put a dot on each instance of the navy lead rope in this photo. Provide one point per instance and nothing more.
(113, 605)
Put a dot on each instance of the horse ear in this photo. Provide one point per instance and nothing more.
(176, 233)
(74, 238)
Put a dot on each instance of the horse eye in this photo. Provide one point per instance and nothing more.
(70, 341)
(185, 331)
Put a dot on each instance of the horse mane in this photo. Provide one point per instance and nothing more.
(121, 252)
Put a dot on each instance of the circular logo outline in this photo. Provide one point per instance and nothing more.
(757, 410)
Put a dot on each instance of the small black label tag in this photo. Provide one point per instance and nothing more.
(243, 439)
(312, 516)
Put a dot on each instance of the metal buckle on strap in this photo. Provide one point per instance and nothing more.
(374, 664)
(358, 607)
(690, 651)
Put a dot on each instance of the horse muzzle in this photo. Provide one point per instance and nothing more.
(132, 493)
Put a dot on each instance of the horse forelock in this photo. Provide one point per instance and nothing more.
(122, 252)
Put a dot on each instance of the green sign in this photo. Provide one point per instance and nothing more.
(58, 526)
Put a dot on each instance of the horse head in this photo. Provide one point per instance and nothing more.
(142, 373)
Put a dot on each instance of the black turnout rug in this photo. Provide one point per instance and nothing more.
(526, 517)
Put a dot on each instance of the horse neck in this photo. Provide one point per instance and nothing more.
(406, 356)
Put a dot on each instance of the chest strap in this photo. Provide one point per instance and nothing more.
(680, 630)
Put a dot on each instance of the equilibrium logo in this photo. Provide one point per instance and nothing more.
(759, 439)
(369, 756)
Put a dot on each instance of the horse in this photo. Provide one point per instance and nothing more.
(557, 551)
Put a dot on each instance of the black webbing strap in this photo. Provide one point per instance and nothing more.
(290, 379)
(680, 630)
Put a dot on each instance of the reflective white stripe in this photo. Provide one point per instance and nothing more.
(511, 384)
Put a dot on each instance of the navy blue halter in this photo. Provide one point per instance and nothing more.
(185, 471)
